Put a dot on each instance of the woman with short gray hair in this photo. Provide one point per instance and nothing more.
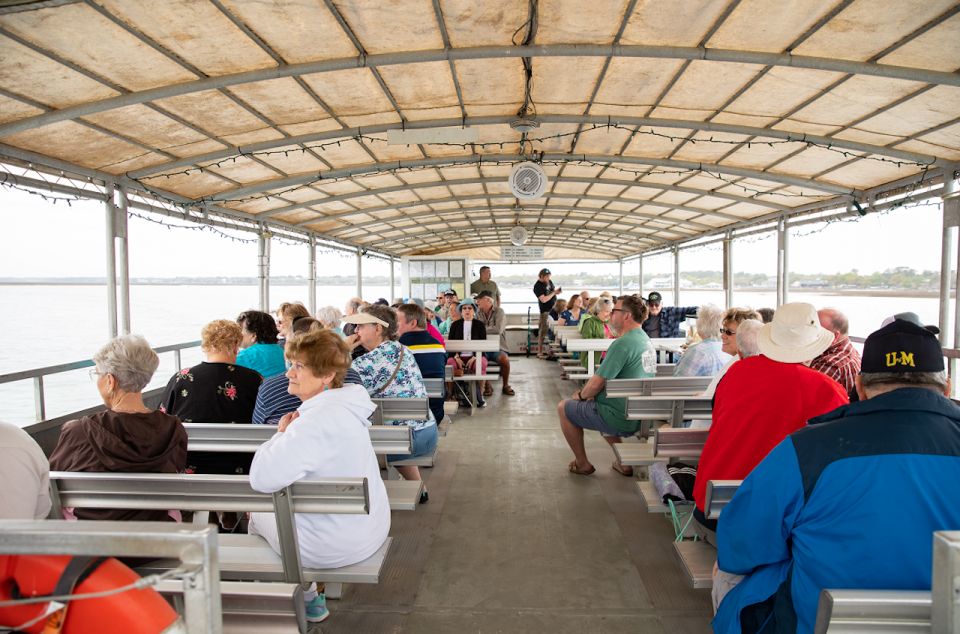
(330, 317)
(127, 436)
(707, 357)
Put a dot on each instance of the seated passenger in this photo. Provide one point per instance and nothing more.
(468, 328)
(453, 310)
(631, 356)
(570, 316)
(495, 321)
(596, 325)
(429, 353)
(273, 398)
(215, 391)
(764, 398)
(327, 437)
(260, 352)
(841, 361)
(389, 370)
(330, 317)
(664, 322)
(707, 357)
(852, 500)
(127, 436)
(746, 344)
(24, 476)
(288, 313)
(728, 339)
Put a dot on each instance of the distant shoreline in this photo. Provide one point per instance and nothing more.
(864, 292)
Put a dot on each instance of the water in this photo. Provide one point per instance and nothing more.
(50, 325)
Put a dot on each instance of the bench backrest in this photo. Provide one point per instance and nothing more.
(223, 437)
(435, 386)
(584, 345)
(682, 385)
(678, 442)
(666, 369)
(400, 409)
(164, 491)
(873, 611)
(477, 347)
(669, 408)
(719, 494)
(196, 492)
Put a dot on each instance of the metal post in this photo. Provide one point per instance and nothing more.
(640, 272)
(621, 276)
(111, 263)
(39, 402)
(728, 270)
(359, 273)
(391, 296)
(781, 262)
(312, 275)
(676, 276)
(950, 208)
(123, 262)
(263, 268)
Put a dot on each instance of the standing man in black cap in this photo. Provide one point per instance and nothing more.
(664, 323)
(547, 296)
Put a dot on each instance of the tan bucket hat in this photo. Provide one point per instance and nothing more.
(795, 334)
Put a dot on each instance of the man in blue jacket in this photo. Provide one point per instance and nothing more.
(851, 500)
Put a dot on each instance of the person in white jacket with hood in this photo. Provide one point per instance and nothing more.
(326, 437)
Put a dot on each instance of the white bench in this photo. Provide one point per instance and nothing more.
(678, 442)
(658, 386)
(673, 409)
(478, 348)
(590, 347)
(719, 493)
(697, 559)
(241, 557)
(224, 437)
(666, 346)
(271, 608)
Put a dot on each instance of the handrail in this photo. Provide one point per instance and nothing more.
(38, 374)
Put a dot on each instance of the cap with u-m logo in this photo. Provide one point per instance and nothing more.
(902, 346)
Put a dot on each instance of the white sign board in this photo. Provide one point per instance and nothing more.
(521, 253)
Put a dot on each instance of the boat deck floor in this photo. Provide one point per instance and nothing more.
(510, 541)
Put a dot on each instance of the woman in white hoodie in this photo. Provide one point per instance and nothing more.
(326, 437)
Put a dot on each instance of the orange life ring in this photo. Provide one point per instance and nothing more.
(141, 611)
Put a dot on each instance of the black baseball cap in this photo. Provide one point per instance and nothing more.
(544, 272)
(654, 298)
(901, 347)
(482, 294)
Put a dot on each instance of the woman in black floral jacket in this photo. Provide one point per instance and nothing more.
(215, 391)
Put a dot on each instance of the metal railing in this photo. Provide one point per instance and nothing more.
(38, 374)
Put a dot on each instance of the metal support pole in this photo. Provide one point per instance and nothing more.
(950, 208)
(640, 272)
(621, 276)
(728, 271)
(359, 273)
(110, 210)
(946, 259)
(391, 295)
(676, 276)
(782, 277)
(312, 275)
(123, 262)
(263, 268)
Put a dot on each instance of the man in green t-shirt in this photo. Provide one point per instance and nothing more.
(631, 356)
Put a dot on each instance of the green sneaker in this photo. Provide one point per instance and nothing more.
(317, 609)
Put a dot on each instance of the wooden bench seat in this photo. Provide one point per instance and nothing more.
(697, 559)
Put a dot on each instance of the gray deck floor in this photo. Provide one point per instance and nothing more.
(512, 542)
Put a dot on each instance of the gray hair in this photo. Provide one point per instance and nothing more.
(329, 316)
(879, 382)
(604, 303)
(709, 317)
(747, 333)
(130, 360)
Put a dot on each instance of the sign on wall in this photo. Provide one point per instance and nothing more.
(521, 253)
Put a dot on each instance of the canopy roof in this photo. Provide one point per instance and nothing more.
(659, 121)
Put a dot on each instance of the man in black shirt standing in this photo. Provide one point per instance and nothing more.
(547, 296)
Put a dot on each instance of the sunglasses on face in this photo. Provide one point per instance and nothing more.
(728, 332)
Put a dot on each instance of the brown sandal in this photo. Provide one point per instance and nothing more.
(508, 390)
(622, 470)
(573, 469)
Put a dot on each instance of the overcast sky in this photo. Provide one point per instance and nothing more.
(44, 239)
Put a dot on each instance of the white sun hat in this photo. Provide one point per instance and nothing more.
(795, 334)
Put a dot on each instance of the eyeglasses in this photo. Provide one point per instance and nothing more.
(95, 374)
(618, 310)
(295, 365)
(727, 332)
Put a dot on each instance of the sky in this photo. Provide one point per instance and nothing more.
(29, 248)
